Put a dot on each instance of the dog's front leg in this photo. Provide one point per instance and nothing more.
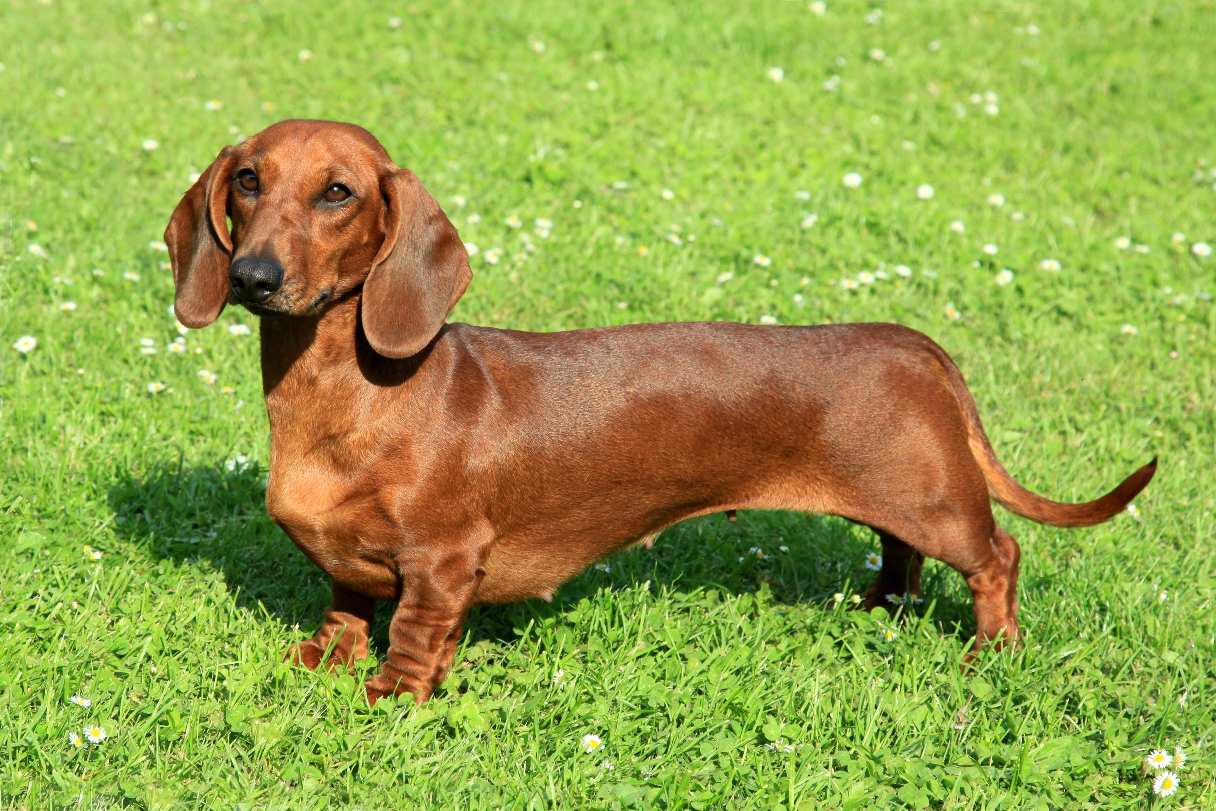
(437, 588)
(346, 627)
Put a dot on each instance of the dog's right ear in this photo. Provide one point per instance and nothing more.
(200, 248)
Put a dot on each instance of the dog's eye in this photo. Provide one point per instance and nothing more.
(336, 193)
(247, 181)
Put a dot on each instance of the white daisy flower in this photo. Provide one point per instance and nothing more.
(471, 248)
(207, 377)
(131, 276)
(593, 86)
(81, 701)
(958, 227)
(674, 239)
(558, 677)
(25, 344)
(952, 312)
(1179, 758)
(607, 765)
(874, 17)
(888, 634)
(1202, 250)
(492, 256)
(776, 74)
(156, 387)
(1004, 277)
(591, 742)
(68, 306)
(91, 554)
(996, 199)
(1178, 238)
(394, 22)
(37, 250)
(924, 192)
(878, 54)
(866, 277)
(832, 83)
(1123, 243)
(802, 194)
(95, 734)
(1129, 329)
(1165, 784)
(238, 461)
(724, 277)
(514, 221)
(1050, 265)
(761, 260)
(903, 271)
(150, 145)
(1158, 759)
(818, 8)
(768, 319)
(304, 55)
(852, 180)
(75, 740)
(873, 561)
(543, 224)
(809, 221)
(783, 548)
(238, 329)
(1018, 216)
(536, 45)
(849, 284)
(213, 105)
(992, 109)
(990, 249)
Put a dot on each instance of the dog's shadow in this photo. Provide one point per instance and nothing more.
(215, 517)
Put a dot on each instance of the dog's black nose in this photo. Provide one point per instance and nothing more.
(254, 279)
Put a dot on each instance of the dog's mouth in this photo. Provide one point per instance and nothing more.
(286, 307)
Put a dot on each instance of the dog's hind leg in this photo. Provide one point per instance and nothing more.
(899, 575)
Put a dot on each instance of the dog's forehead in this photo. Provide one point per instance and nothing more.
(296, 141)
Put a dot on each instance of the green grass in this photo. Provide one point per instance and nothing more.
(689, 659)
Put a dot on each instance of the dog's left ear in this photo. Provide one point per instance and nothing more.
(420, 272)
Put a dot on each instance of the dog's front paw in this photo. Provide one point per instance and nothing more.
(382, 685)
(308, 653)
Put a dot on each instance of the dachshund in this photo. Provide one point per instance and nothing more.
(440, 465)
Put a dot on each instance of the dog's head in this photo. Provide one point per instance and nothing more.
(317, 209)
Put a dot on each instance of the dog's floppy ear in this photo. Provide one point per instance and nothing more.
(200, 248)
(418, 275)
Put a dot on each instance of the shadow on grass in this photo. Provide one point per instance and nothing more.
(216, 517)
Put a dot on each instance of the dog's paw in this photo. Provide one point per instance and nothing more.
(308, 653)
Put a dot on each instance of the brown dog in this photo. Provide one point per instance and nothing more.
(441, 465)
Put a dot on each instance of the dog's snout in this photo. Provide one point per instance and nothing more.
(254, 279)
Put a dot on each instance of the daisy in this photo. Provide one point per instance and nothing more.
(852, 180)
(593, 86)
(591, 742)
(213, 105)
(888, 634)
(1158, 759)
(471, 248)
(819, 8)
(559, 676)
(1123, 243)
(878, 54)
(177, 346)
(75, 740)
(81, 701)
(958, 227)
(768, 319)
(849, 284)
(783, 548)
(150, 145)
(238, 329)
(761, 260)
(1165, 784)
(514, 221)
(723, 278)
(1004, 277)
(866, 277)
(95, 734)
(537, 46)
(990, 249)
(25, 344)
(1050, 265)
(1202, 250)
(674, 239)
(158, 245)
(997, 199)
(37, 250)
(131, 276)
(91, 554)
(874, 17)
(543, 224)
(924, 192)
(394, 22)
(903, 271)
(802, 194)
(68, 306)
(776, 74)
(832, 83)
(492, 256)
(156, 387)
(873, 561)
(304, 55)
(1179, 758)
(952, 312)
(809, 221)
(208, 377)
(1128, 329)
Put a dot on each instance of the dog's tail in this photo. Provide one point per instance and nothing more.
(1013, 496)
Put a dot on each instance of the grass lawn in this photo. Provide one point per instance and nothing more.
(691, 163)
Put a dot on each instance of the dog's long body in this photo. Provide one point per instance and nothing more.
(442, 465)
